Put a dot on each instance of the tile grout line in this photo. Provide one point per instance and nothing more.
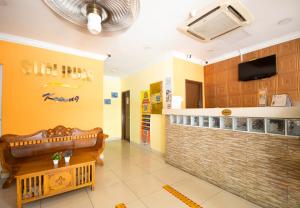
(148, 172)
(89, 198)
(129, 189)
(137, 164)
(213, 196)
(139, 199)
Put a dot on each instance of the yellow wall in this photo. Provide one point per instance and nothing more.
(112, 113)
(23, 108)
(183, 70)
(179, 70)
(136, 83)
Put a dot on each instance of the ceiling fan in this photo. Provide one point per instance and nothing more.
(97, 15)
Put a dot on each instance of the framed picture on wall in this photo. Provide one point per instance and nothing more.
(114, 94)
(156, 98)
(107, 101)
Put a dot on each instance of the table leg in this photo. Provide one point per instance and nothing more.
(19, 194)
(93, 176)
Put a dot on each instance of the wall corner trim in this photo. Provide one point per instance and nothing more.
(51, 46)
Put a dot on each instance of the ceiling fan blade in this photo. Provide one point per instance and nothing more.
(118, 15)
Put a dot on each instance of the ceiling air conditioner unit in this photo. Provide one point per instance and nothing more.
(217, 20)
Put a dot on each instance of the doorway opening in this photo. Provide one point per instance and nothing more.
(193, 94)
(126, 115)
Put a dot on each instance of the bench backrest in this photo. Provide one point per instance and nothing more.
(52, 140)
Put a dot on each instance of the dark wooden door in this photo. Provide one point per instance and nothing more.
(126, 115)
(193, 94)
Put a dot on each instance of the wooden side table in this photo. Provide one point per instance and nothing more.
(39, 179)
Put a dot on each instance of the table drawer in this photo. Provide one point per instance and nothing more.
(59, 181)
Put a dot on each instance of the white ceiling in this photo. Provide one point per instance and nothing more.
(153, 35)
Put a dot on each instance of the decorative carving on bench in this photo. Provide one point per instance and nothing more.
(46, 142)
(58, 132)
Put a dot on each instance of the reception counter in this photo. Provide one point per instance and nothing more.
(253, 152)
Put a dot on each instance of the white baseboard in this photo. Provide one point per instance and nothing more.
(110, 139)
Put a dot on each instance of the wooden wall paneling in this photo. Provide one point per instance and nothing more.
(232, 73)
(233, 62)
(234, 88)
(209, 69)
(250, 100)
(249, 87)
(210, 90)
(268, 51)
(226, 73)
(209, 79)
(269, 83)
(297, 97)
(235, 101)
(220, 65)
(288, 63)
(222, 101)
(250, 56)
(287, 82)
(209, 75)
(299, 83)
(210, 102)
(221, 90)
(221, 76)
(290, 47)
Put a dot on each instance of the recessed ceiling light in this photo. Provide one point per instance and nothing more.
(284, 21)
(147, 48)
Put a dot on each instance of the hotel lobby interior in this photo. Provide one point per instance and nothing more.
(150, 104)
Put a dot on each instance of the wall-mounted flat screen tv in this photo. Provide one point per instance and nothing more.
(258, 68)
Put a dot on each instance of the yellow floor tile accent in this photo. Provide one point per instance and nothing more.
(121, 205)
(181, 197)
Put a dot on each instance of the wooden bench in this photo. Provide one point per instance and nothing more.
(18, 148)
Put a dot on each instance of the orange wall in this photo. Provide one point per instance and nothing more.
(23, 108)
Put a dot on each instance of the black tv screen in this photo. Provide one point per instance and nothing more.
(258, 68)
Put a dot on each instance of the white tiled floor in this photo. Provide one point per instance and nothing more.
(133, 175)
